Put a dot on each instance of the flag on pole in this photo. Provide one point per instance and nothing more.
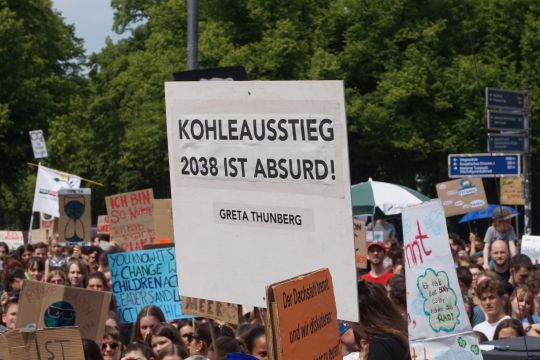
(48, 182)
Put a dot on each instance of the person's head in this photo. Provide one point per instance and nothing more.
(138, 351)
(456, 243)
(376, 252)
(164, 334)
(533, 282)
(186, 331)
(499, 253)
(9, 313)
(4, 248)
(111, 346)
(112, 320)
(224, 345)
(475, 270)
(14, 278)
(255, 341)
(97, 281)
(91, 350)
(41, 250)
(24, 252)
(492, 298)
(173, 352)
(522, 302)
(57, 277)
(501, 219)
(201, 341)
(35, 268)
(147, 318)
(378, 315)
(57, 248)
(508, 328)
(520, 269)
(77, 272)
(464, 278)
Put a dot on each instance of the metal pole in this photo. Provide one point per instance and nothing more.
(192, 34)
(527, 173)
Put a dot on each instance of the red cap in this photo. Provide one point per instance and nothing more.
(377, 243)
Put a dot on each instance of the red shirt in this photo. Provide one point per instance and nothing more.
(383, 279)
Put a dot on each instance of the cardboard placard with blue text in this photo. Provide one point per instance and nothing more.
(146, 277)
(438, 322)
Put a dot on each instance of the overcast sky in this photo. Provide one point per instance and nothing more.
(92, 19)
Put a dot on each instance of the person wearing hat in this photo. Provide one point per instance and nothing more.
(376, 254)
(501, 229)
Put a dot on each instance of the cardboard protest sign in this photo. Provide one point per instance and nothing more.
(29, 344)
(259, 172)
(302, 318)
(75, 215)
(48, 222)
(131, 219)
(360, 245)
(461, 196)
(530, 246)
(103, 225)
(146, 277)
(210, 309)
(438, 322)
(40, 235)
(163, 219)
(48, 305)
(13, 239)
(512, 190)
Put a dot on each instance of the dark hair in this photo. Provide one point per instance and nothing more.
(253, 335)
(456, 239)
(378, 316)
(149, 310)
(226, 345)
(21, 249)
(40, 264)
(509, 323)
(142, 347)
(11, 275)
(203, 333)
(398, 292)
(98, 275)
(490, 285)
(12, 300)
(41, 245)
(167, 330)
(173, 349)
(91, 350)
(521, 260)
(464, 275)
(5, 246)
(480, 336)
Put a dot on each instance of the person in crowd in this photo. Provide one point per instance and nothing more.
(4, 249)
(164, 334)
(508, 328)
(173, 352)
(465, 282)
(522, 304)
(201, 341)
(456, 245)
(91, 350)
(223, 346)
(35, 268)
(533, 282)
(147, 318)
(13, 278)
(92, 257)
(348, 341)
(97, 281)
(501, 229)
(492, 299)
(476, 246)
(138, 351)
(185, 330)
(41, 250)
(377, 273)
(77, 272)
(521, 267)
(379, 324)
(475, 270)
(24, 252)
(9, 313)
(397, 294)
(57, 260)
(501, 263)
(57, 277)
(112, 320)
(111, 346)
(255, 341)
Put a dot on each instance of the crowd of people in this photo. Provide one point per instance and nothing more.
(500, 289)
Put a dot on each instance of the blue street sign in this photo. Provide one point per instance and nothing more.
(498, 98)
(483, 165)
(504, 120)
(506, 143)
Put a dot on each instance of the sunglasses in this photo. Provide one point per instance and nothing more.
(191, 337)
(113, 346)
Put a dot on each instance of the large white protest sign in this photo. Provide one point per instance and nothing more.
(48, 182)
(530, 246)
(438, 322)
(260, 187)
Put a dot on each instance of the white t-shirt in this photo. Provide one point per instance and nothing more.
(487, 328)
(352, 356)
